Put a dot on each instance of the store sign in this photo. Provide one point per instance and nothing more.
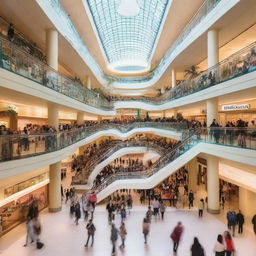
(235, 107)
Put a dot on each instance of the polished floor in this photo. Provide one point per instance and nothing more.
(62, 237)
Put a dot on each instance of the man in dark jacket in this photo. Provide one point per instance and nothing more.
(90, 230)
(111, 212)
(254, 223)
(191, 199)
(240, 222)
(113, 238)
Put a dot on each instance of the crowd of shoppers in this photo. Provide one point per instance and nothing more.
(94, 154)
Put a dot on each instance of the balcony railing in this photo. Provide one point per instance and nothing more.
(235, 137)
(113, 146)
(19, 62)
(22, 146)
(238, 64)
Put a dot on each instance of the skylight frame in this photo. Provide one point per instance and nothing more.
(104, 18)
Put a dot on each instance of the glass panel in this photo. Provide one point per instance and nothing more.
(19, 62)
(21, 146)
(128, 41)
(238, 64)
(235, 137)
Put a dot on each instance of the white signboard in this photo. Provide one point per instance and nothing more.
(235, 107)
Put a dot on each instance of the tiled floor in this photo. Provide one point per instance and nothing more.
(62, 237)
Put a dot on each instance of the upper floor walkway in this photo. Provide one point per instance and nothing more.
(23, 73)
(21, 153)
(46, 149)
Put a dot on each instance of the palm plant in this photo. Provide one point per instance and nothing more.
(192, 72)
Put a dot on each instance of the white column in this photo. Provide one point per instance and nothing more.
(89, 83)
(173, 78)
(80, 118)
(53, 115)
(213, 184)
(192, 175)
(213, 48)
(212, 110)
(99, 118)
(97, 142)
(81, 150)
(52, 48)
(175, 113)
(55, 187)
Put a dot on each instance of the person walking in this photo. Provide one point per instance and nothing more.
(254, 223)
(240, 222)
(67, 194)
(233, 223)
(122, 233)
(111, 212)
(37, 233)
(191, 199)
(196, 248)
(113, 238)
(231, 217)
(30, 231)
(156, 206)
(145, 229)
(162, 209)
(149, 214)
(219, 247)
(77, 212)
(229, 244)
(201, 208)
(176, 236)
(86, 209)
(90, 231)
(123, 213)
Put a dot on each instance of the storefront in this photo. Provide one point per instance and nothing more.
(232, 112)
(15, 212)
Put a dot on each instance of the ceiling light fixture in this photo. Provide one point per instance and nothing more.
(128, 8)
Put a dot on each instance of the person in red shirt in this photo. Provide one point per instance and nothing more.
(229, 244)
(175, 236)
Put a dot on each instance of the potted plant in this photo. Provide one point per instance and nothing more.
(192, 72)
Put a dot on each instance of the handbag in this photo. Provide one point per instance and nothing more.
(39, 245)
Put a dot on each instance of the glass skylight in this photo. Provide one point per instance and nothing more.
(127, 36)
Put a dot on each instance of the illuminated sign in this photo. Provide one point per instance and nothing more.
(235, 107)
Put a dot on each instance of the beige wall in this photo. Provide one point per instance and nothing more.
(247, 203)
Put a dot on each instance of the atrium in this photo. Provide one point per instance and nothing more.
(128, 127)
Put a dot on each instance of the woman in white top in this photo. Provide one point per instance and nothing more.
(219, 247)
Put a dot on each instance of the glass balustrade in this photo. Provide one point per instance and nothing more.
(104, 152)
(22, 146)
(235, 137)
(19, 62)
(238, 64)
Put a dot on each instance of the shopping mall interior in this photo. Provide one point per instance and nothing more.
(128, 127)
